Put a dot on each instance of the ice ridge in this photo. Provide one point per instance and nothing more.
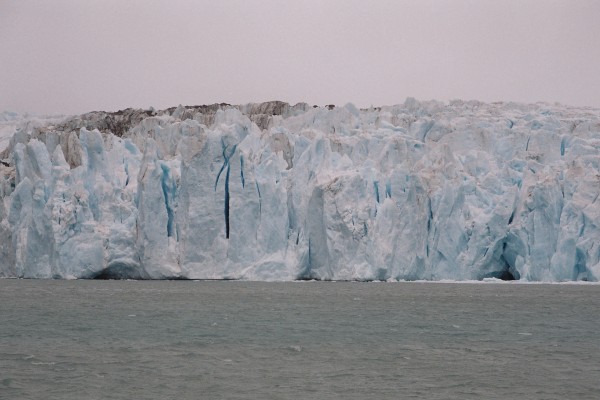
(270, 191)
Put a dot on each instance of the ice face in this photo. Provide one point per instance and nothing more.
(460, 190)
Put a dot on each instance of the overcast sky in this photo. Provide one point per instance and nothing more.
(81, 55)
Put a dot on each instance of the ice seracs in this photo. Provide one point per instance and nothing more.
(271, 191)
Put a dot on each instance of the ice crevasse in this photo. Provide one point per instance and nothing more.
(270, 191)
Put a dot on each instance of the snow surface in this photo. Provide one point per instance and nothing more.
(422, 190)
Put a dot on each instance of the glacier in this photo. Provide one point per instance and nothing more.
(459, 190)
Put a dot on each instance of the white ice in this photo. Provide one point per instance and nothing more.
(421, 190)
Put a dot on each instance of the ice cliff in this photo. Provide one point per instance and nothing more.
(421, 190)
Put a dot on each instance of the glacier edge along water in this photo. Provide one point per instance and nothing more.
(271, 191)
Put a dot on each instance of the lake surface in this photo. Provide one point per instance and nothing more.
(297, 340)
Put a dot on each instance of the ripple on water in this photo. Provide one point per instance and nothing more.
(316, 340)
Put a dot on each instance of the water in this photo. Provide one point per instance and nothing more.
(309, 340)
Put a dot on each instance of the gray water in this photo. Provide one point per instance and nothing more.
(297, 340)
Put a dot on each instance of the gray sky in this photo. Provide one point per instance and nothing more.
(61, 56)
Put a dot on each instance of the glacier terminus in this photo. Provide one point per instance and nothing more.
(459, 190)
